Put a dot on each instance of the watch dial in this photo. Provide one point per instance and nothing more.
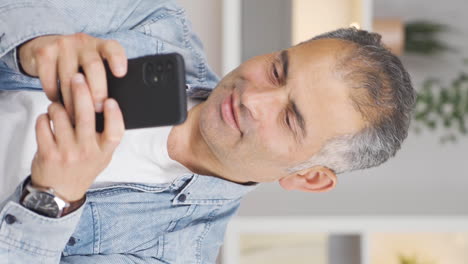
(42, 203)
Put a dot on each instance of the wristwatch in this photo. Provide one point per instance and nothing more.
(44, 201)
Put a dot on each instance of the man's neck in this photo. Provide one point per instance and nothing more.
(187, 146)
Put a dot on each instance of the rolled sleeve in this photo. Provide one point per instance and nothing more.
(27, 237)
(21, 21)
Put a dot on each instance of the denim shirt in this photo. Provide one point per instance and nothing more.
(179, 222)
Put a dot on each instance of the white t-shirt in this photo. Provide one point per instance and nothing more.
(141, 157)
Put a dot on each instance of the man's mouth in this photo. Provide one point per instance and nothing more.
(229, 113)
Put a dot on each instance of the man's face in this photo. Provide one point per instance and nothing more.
(273, 96)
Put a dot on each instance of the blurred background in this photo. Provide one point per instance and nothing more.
(411, 210)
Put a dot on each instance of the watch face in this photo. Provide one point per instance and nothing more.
(42, 203)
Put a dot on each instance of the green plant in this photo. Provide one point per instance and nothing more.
(421, 37)
(443, 107)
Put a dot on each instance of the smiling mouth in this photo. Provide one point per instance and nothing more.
(228, 113)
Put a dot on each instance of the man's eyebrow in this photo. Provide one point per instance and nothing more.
(300, 119)
(284, 58)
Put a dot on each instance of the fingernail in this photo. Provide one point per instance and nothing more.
(78, 78)
(98, 107)
(111, 104)
(120, 69)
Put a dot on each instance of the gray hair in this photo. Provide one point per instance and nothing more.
(384, 97)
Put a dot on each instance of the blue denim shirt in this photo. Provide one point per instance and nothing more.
(178, 222)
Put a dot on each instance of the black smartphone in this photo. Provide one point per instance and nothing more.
(151, 94)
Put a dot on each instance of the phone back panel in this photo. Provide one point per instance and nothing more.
(152, 93)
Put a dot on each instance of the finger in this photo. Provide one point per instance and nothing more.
(63, 129)
(44, 136)
(85, 116)
(113, 126)
(115, 55)
(67, 68)
(26, 58)
(46, 65)
(95, 72)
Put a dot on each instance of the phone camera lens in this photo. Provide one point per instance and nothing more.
(159, 68)
(149, 69)
(169, 65)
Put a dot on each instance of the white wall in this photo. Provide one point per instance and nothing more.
(313, 17)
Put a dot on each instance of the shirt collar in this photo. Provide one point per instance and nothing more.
(201, 189)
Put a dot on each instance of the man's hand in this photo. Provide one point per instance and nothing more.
(56, 57)
(69, 158)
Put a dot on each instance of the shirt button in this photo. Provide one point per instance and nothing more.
(182, 198)
(10, 219)
(71, 241)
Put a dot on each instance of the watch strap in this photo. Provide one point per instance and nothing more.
(73, 206)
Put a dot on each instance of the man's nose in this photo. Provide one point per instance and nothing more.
(263, 102)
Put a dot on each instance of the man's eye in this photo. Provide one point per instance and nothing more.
(275, 73)
(287, 121)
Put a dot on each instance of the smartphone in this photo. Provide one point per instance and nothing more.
(151, 94)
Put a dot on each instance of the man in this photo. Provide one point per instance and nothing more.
(336, 103)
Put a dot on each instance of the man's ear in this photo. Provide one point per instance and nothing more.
(315, 179)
